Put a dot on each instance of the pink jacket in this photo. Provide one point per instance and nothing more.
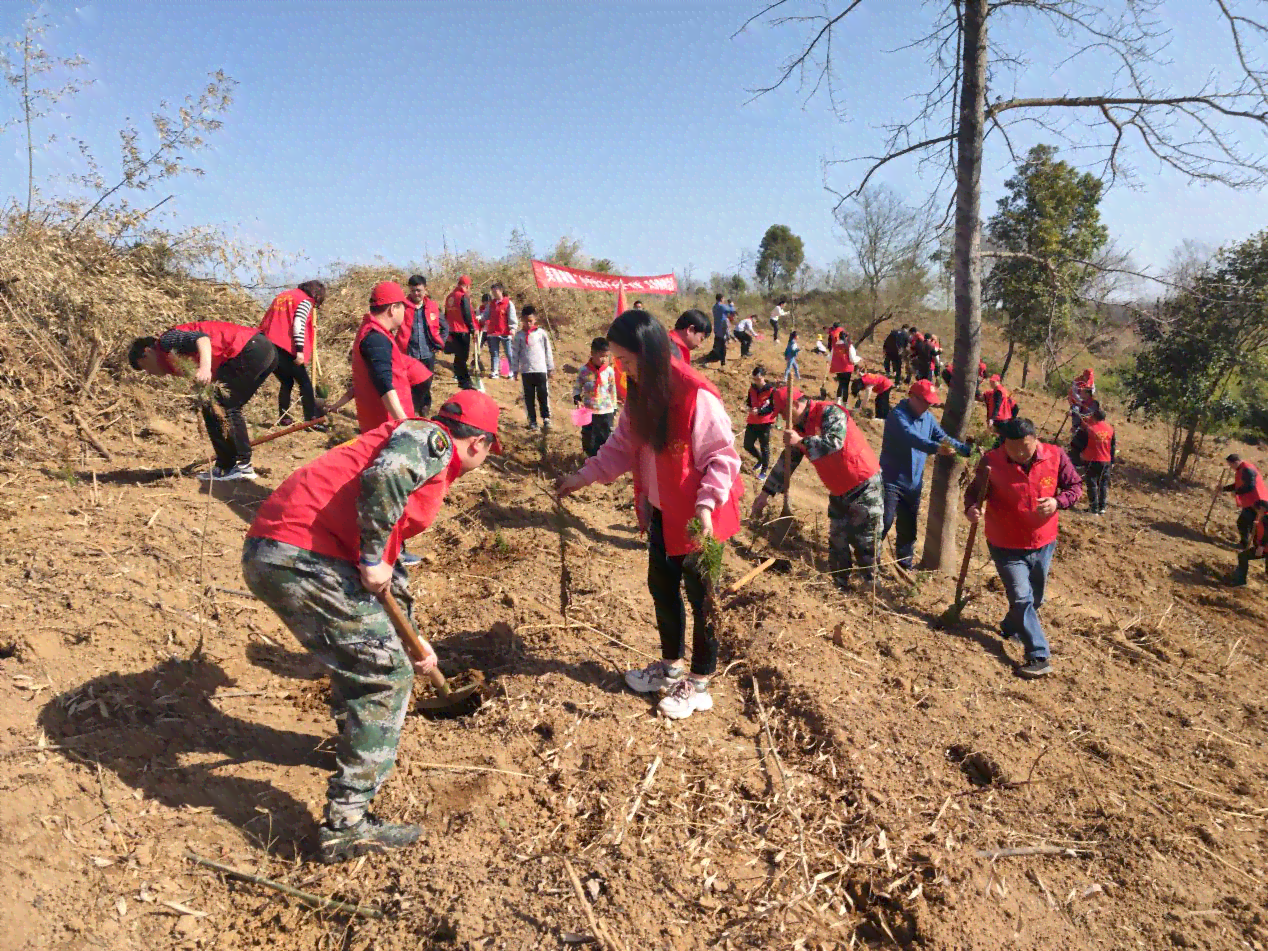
(712, 443)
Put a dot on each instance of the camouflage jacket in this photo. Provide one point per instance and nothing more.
(417, 452)
(830, 439)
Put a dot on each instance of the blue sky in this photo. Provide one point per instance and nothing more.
(382, 129)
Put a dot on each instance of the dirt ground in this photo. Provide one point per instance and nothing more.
(853, 784)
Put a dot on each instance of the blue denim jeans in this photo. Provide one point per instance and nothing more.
(902, 506)
(1024, 572)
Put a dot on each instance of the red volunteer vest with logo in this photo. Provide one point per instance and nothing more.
(279, 319)
(453, 311)
(683, 353)
(756, 400)
(1256, 494)
(847, 468)
(999, 405)
(406, 371)
(227, 341)
(677, 478)
(316, 507)
(1100, 439)
(431, 314)
(497, 323)
(1014, 494)
(841, 356)
(878, 382)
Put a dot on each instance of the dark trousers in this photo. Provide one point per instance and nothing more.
(718, 353)
(596, 432)
(774, 329)
(288, 373)
(1244, 558)
(236, 382)
(882, 405)
(1098, 481)
(420, 393)
(667, 577)
(746, 341)
(843, 385)
(1245, 522)
(902, 506)
(757, 442)
(536, 394)
(460, 346)
(894, 367)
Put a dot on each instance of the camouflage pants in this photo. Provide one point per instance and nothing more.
(854, 523)
(328, 610)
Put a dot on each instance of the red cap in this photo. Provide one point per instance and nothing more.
(925, 390)
(476, 409)
(779, 399)
(995, 379)
(387, 293)
(464, 281)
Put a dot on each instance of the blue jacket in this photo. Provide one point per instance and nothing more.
(906, 445)
(721, 326)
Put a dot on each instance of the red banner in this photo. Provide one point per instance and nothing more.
(556, 275)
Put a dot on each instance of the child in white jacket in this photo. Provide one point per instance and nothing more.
(534, 360)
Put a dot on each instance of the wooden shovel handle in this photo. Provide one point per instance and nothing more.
(294, 428)
(787, 510)
(737, 585)
(968, 545)
(412, 642)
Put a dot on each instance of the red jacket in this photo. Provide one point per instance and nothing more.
(316, 507)
(756, 400)
(279, 319)
(841, 355)
(683, 353)
(227, 341)
(1100, 441)
(497, 320)
(406, 371)
(1013, 494)
(852, 465)
(453, 311)
(879, 382)
(1256, 492)
(677, 478)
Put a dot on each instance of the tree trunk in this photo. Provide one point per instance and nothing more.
(1025, 370)
(1008, 360)
(1187, 450)
(939, 551)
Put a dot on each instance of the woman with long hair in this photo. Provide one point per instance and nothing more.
(675, 438)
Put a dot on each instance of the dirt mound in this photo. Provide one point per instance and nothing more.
(862, 779)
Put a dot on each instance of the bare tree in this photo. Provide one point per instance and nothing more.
(1192, 131)
(888, 239)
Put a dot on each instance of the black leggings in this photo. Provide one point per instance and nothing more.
(757, 442)
(236, 382)
(288, 373)
(843, 385)
(667, 577)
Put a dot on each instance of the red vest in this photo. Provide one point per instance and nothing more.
(1011, 519)
(453, 310)
(999, 405)
(1247, 499)
(1100, 439)
(834, 334)
(677, 478)
(227, 341)
(405, 371)
(316, 507)
(878, 382)
(683, 353)
(497, 321)
(841, 355)
(844, 470)
(431, 314)
(279, 319)
(756, 400)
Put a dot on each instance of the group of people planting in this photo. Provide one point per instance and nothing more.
(326, 551)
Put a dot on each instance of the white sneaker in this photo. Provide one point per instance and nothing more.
(657, 675)
(685, 698)
(215, 474)
(241, 471)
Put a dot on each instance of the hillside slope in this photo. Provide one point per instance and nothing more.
(853, 770)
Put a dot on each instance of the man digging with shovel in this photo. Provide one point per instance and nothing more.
(1023, 482)
(321, 553)
(825, 433)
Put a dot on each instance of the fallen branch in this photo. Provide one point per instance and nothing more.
(90, 436)
(605, 939)
(1064, 851)
(313, 901)
(472, 769)
(638, 799)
